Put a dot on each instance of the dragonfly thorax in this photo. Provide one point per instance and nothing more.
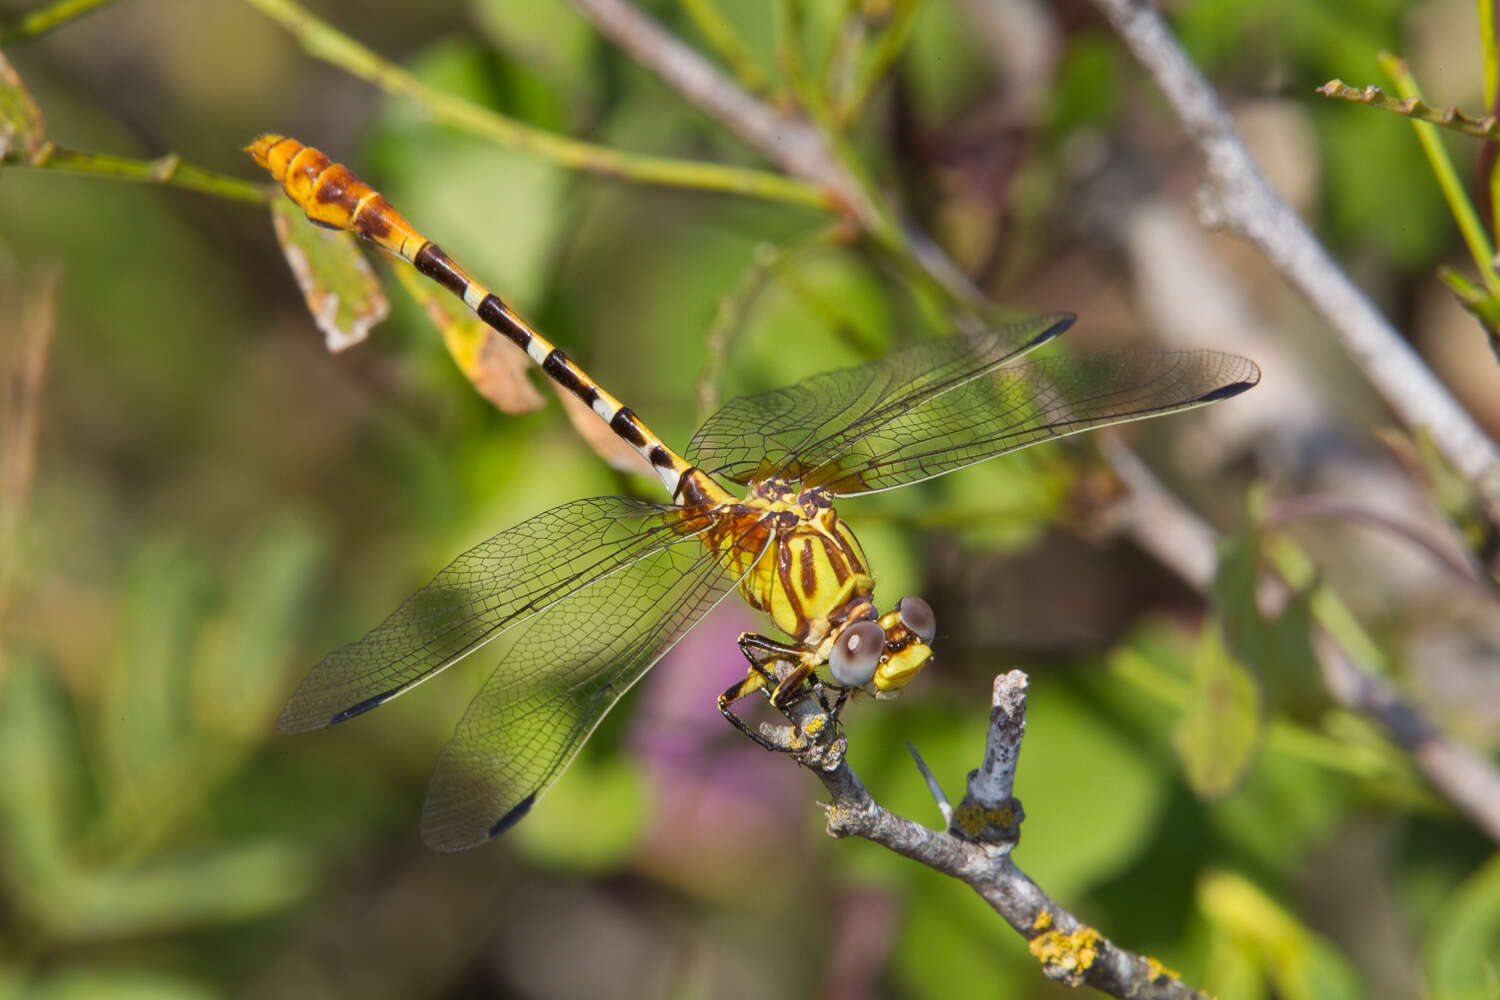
(813, 575)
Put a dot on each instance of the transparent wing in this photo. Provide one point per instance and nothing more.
(790, 430)
(1021, 405)
(479, 595)
(563, 671)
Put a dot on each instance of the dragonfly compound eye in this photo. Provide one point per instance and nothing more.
(857, 653)
(916, 614)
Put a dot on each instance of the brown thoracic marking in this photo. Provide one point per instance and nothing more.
(809, 573)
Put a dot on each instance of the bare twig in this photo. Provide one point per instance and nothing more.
(1485, 127)
(1339, 508)
(976, 849)
(1244, 202)
(1179, 539)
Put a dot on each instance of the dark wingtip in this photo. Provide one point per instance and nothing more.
(362, 707)
(515, 816)
(1235, 388)
(1059, 323)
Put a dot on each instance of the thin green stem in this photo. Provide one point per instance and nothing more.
(888, 48)
(722, 38)
(874, 215)
(332, 46)
(167, 170)
(38, 22)
(842, 52)
(1487, 51)
(1463, 211)
(1297, 569)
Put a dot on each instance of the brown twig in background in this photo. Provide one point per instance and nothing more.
(22, 371)
(1246, 204)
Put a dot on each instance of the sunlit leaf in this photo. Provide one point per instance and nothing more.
(1463, 942)
(1299, 964)
(1218, 735)
(21, 122)
(341, 290)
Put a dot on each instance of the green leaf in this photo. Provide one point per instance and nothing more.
(1221, 730)
(1483, 306)
(41, 801)
(340, 289)
(230, 883)
(1279, 650)
(547, 37)
(1462, 952)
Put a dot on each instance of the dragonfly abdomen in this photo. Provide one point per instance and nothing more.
(332, 196)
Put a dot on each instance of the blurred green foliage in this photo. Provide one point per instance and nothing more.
(218, 501)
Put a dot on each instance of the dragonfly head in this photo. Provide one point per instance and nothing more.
(883, 656)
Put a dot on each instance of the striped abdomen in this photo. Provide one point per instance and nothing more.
(332, 196)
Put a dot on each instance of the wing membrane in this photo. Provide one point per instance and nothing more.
(479, 595)
(1021, 405)
(790, 430)
(564, 670)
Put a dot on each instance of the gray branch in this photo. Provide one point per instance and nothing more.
(976, 847)
(1243, 201)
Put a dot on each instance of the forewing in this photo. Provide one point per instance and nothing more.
(1023, 404)
(563, 671)
(479, 595)
(790, 430)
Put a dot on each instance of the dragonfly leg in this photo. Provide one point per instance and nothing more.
(763, 654)
(752, 683)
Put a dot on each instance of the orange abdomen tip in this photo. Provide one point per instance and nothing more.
(332, 196)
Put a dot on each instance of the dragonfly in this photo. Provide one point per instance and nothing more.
(576, 603)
